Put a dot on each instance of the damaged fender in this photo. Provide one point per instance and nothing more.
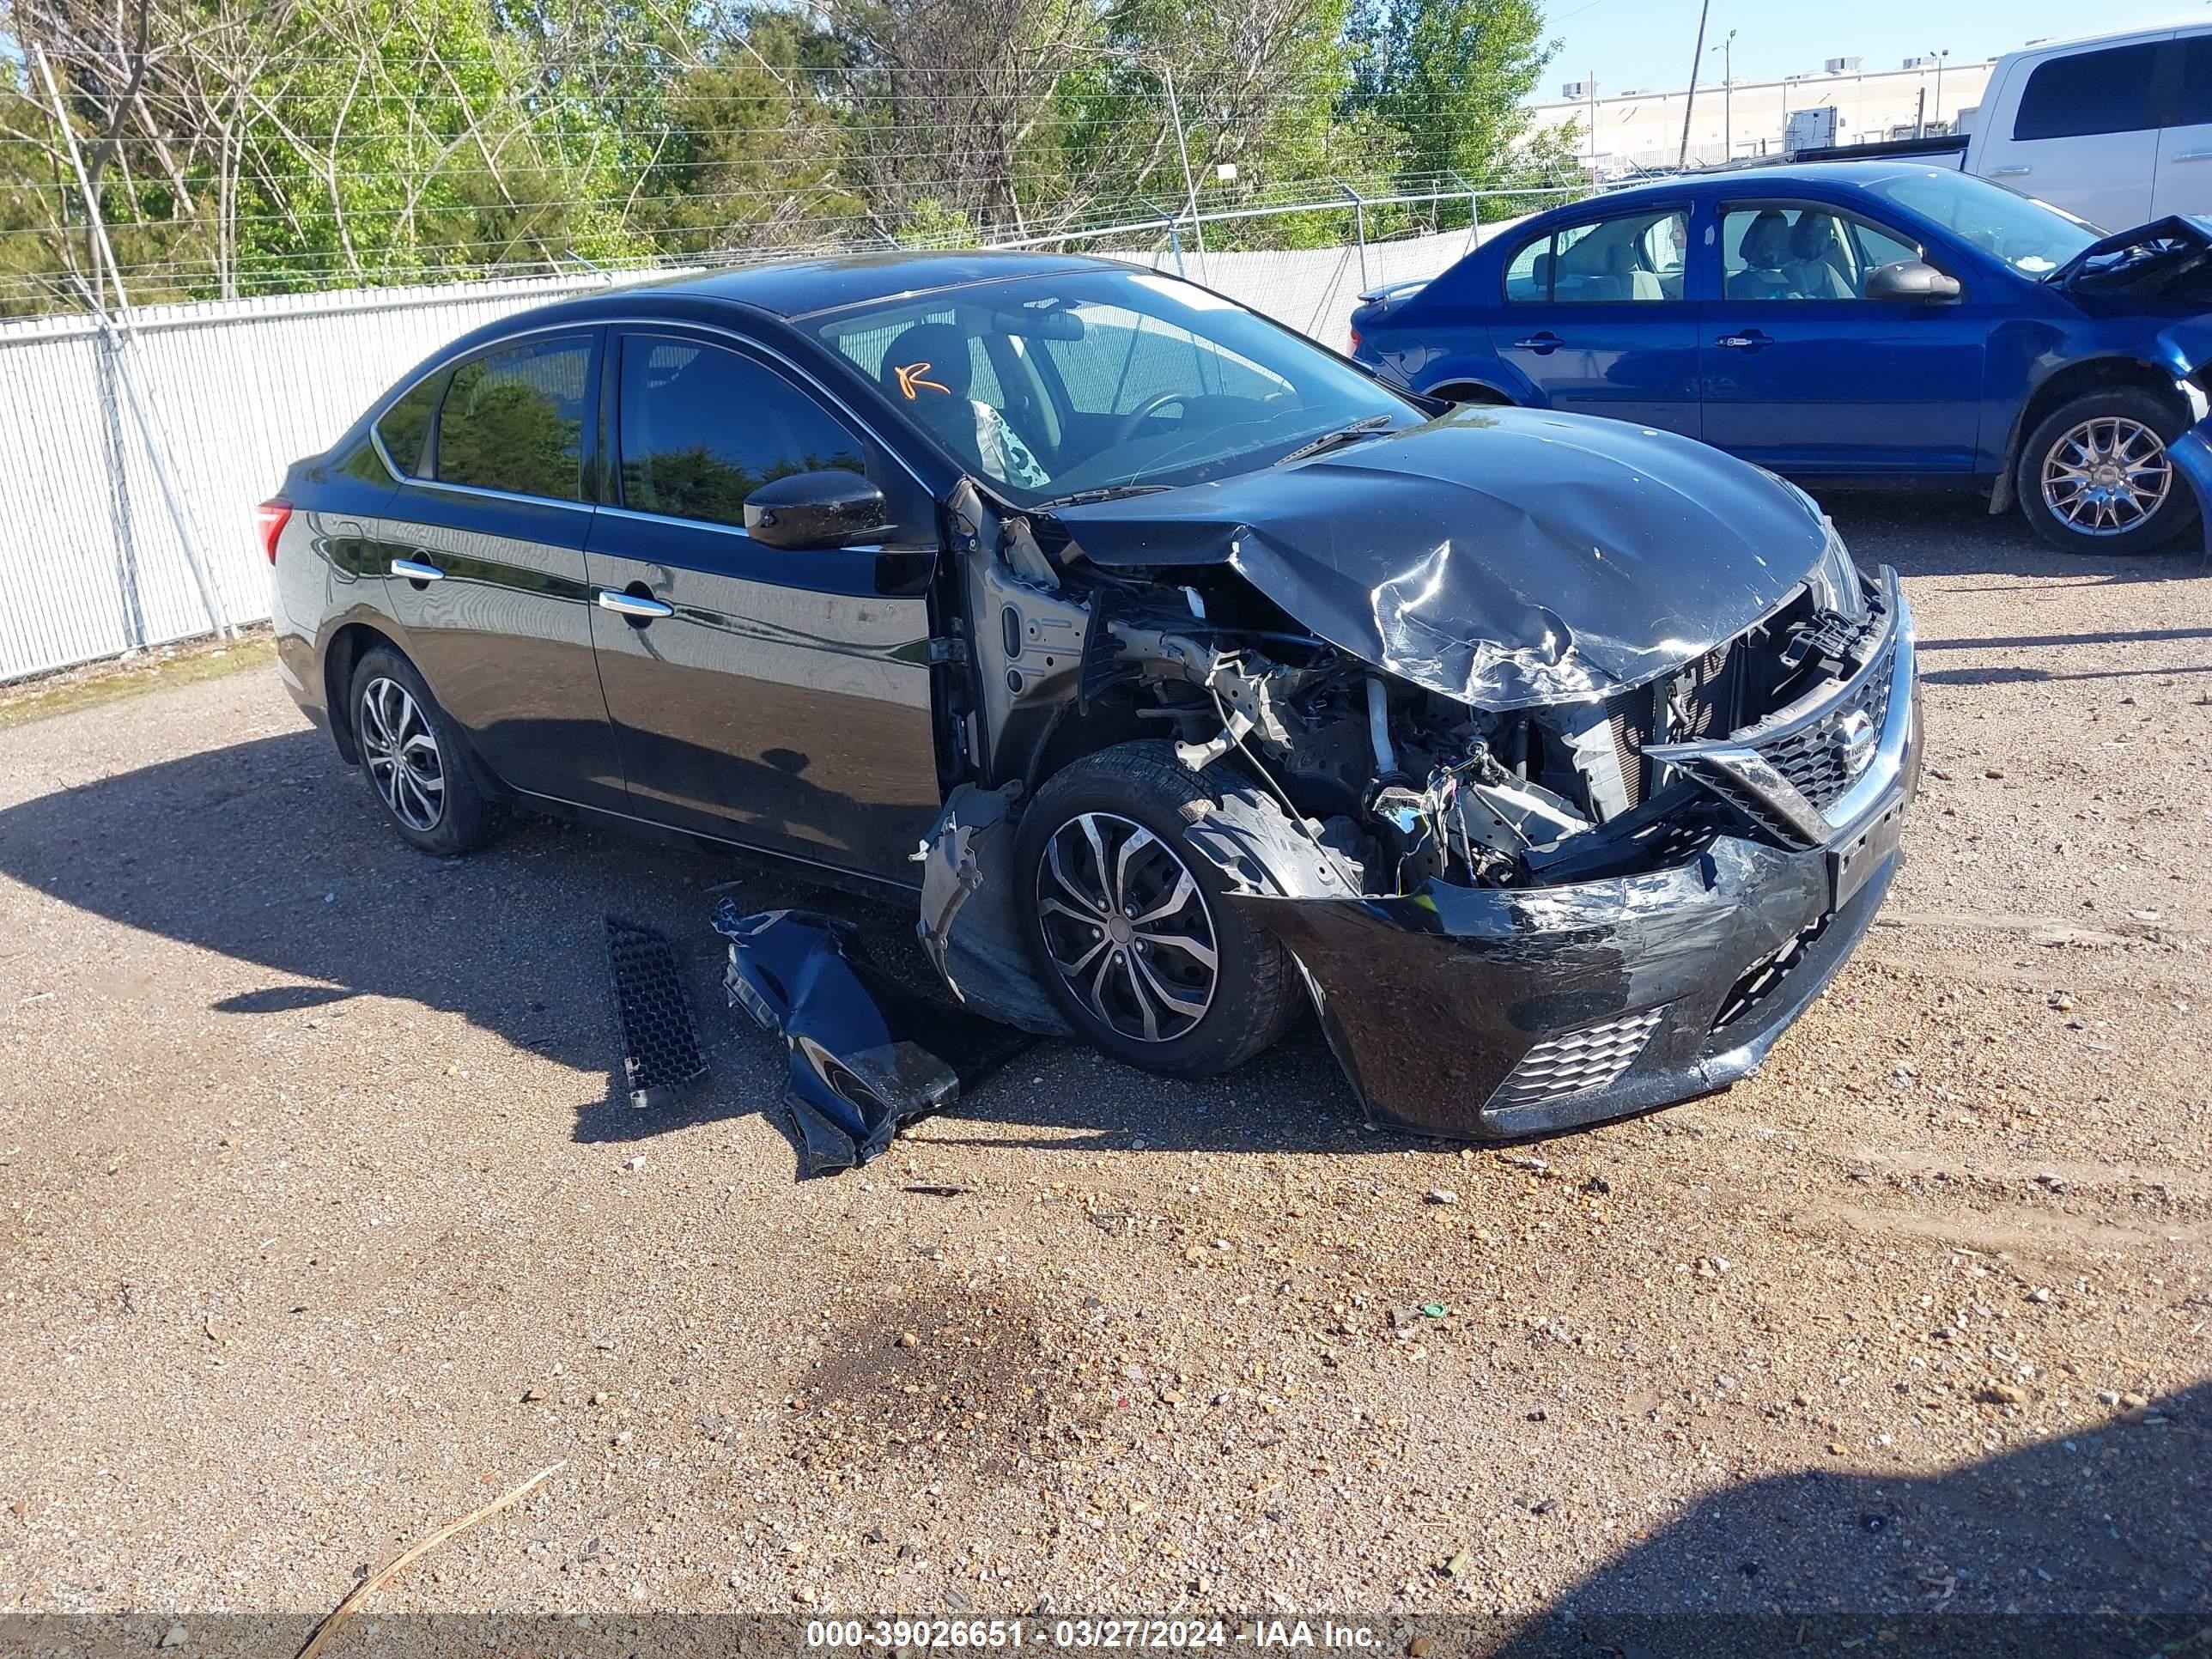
(2187, 350)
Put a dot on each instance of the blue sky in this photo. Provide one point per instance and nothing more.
(1647, 43)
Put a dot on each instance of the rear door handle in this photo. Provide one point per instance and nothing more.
(1542, 344)
(2015, 172)
(1749, 340)
(634, 606)
(416, 571)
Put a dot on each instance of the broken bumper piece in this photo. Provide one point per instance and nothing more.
(1492, 1013)
(856, 1037)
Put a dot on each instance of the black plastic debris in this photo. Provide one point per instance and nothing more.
(660, 1042)
(868, 1052)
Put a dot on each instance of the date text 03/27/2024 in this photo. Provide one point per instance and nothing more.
(1167, 1634)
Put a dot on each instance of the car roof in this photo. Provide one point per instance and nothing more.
(1844, 174)
(807, 288)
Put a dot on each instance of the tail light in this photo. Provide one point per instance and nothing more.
(1352, 346)
(270, 518)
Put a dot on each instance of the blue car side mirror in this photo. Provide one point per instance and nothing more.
(1910, 279)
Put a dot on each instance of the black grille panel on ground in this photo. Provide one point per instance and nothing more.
(1591, 1058)
(1813, 758)
(661, 1043)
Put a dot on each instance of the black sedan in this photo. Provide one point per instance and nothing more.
(1187, 673)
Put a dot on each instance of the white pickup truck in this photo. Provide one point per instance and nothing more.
(2116, 129)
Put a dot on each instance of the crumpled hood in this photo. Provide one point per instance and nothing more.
(2168, 258)
(1505, 557)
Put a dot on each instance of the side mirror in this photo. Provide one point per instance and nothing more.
(812, 510)
(1910, 279)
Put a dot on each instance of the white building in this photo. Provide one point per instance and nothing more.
(1624, 130)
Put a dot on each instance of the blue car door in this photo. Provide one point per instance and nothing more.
(1802, 373)
(1596, 317)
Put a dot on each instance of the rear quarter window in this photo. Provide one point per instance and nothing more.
(1529, 273)
(404, 427)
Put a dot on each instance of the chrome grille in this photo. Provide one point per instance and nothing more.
(1813, 757)
(1591, 1058)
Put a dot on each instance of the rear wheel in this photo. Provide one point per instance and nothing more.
(1130, 926)
(414, 759)
(2095, 476)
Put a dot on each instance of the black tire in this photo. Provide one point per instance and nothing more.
(432, 796)
(1254, 994)
(2122, 528)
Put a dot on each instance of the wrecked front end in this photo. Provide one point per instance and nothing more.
(1643, 961)
(1564, 814)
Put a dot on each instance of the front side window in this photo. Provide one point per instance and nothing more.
(2089, 93)
(404, 427)
(1636, 257)
(1782, 252)
(1094, 379)
(512, 419)
(702, 428)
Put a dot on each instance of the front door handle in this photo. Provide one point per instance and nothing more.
(416, 571)
(1750, 340)
(1541, 344)
(2195, 155)
(635, 606)
(2018, 170)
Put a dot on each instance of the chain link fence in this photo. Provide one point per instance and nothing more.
(137, 446)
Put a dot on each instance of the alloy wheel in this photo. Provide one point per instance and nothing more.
(1127, 926)
(2106, 475)
(401, 753)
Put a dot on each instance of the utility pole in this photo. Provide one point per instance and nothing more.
(1593, 124)
(1690, 101)
(1726, 50)
(1940, 56)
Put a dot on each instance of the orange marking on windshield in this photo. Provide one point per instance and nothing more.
(909, 376)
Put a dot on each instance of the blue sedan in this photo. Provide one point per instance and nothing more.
(1872, 322)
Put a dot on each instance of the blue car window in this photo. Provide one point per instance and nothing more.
(1636, 257)
(1774, 252)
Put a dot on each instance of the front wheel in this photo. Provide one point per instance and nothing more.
(1130, 926)
(2095, 476)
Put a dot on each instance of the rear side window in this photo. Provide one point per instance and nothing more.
(404, 427)
(1637, 257)
(704, 428)
(2090, 92)
(514, 420)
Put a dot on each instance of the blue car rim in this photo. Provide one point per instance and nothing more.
(2106, 475)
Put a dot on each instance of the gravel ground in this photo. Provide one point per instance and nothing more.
(325, 1225)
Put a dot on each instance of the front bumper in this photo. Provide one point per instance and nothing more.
(1492, 1013)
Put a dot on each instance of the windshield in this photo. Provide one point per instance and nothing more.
(2032, 237)
(1051, 387)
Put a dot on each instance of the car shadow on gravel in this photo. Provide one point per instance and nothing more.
(272, 853)
(2058, 1549)
(1947, 533)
